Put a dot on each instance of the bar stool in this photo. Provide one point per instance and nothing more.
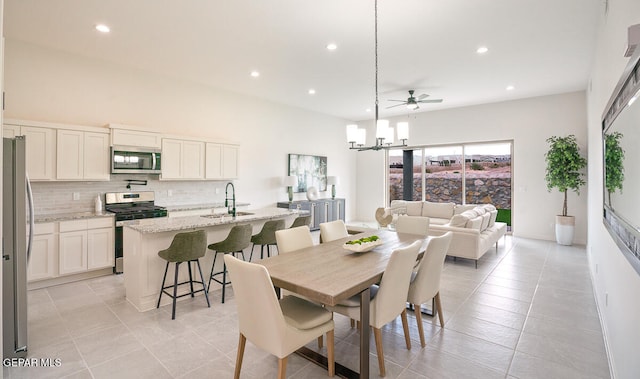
(266, 237)
(185, 247)
(301, 221)
(238, 239)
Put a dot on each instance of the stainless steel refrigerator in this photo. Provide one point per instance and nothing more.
(16, 203)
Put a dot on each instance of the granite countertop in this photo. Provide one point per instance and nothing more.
(70, 216)
(190, 207)
(169, 224)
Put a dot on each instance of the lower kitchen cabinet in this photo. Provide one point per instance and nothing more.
(43, 263)
(85, 245)
(321, 210)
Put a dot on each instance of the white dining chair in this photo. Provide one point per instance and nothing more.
(388, 299)
(279, 327)
(333, 230)
(413, 225)
(425, 283)
(292, 239)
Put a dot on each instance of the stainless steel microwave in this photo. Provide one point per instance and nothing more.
(134, 160)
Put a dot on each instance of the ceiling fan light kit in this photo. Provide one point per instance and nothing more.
(384, 133)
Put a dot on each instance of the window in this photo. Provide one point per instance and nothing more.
(474, 173)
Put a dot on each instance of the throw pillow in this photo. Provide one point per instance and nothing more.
(492, 220)
(475, 223)
(459, 208)
(480, 210)
(489, 207)
(485, 221)
(459, 221)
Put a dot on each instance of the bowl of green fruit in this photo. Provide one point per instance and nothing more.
(363, 244)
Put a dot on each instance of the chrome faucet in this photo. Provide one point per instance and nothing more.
(230, 210)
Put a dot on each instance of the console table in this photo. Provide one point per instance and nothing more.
(321, 210)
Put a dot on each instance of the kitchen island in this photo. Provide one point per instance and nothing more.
(144, 269)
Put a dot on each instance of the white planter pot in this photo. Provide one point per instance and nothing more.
(565, 225)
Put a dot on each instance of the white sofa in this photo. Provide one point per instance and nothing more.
(474, 227)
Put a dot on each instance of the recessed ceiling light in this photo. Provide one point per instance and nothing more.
(255, 74)
(332, 46)
(368, 110)
(103, 28)
(510, 88)
(312, 91)
(482, 50)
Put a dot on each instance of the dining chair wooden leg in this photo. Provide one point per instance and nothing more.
(377, 333)
(241, 342)
(439, 306)
(405, 327)
(320, 343)
(330, 353)
(282, 368)
(418, 314)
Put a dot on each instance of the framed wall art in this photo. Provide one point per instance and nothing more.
(311, 171)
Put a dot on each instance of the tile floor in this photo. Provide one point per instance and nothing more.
(527, 312)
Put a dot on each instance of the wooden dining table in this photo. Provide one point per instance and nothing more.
(328, 273)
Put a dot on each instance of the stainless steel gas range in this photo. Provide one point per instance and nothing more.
(130, 206)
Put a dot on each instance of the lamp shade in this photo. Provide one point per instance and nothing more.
(290, 181)
(361, 136)
(333, 180)
(403, 130)
(352, 133)
(381, 128)
(389, 135)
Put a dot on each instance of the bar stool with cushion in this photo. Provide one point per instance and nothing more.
(238, 239)
(185, 247)
(266, 237)
(301, 221)
(425, 284)
(333, 230)
(278, 326)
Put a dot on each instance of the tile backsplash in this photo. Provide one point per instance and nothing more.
(58, 197)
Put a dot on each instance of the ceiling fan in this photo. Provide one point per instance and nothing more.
(412, 102)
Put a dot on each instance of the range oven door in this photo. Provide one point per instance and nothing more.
(129, 160)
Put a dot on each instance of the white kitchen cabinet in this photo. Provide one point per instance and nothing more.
(43, 263)
(137, 138)
(97, 159)
(10, 131)
(82, 155)
(100, 246)
(85, 245)
(221, 161)
(40, 151)
(182, 159)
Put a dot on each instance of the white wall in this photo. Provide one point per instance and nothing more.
(48, 85)
(612, 274)
(528, 122)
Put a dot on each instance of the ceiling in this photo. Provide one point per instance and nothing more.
(540, 47)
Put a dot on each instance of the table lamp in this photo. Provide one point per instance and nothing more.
(290, 182)
(332, 181)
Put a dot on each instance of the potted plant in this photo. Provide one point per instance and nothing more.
(613, 163)
(565, 172)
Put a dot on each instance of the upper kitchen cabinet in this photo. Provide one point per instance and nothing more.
(82, 155)
(182, 159)
(221, 161)
(40, 148)
(123, 135)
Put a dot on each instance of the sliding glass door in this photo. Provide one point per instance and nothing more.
(473, 173)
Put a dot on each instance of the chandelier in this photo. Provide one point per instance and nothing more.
(384, 133)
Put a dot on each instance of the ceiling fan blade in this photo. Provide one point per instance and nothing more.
(422, 96)
(396, 100)
(397, 105)
(431, 101)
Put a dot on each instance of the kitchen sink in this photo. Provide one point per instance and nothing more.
(244, 213)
